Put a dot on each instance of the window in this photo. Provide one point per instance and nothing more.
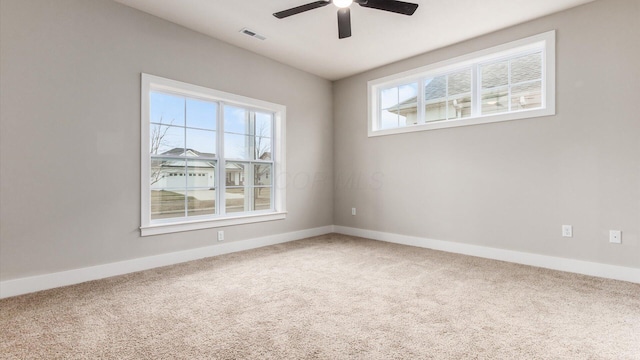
(506, 82)
(209, 158)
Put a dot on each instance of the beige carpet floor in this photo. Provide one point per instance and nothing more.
(329, 297)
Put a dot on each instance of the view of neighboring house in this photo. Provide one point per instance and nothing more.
(170, 173)
(508, 85)
(180, 175)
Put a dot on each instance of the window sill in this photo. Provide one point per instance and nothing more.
(166, 228)
(443, 124)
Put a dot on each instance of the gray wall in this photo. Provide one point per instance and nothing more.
(70, 128)
(70, 131)
(512, 185)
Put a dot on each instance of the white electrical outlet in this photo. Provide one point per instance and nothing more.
(567, 231)
(353, 211)
(221, 235)
(615, 236)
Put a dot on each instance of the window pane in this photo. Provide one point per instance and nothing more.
(262, 198)
(435, 111)
(262, 174)
(166, 140)
(202, 114)
(526, 96)
(408, 105)
(399, 106)
(389, 108)
(389, 98)
(201, 142)
(235, 120)
(201, 202)
(460, 107)
(435, 94)
(435, 88)
(459, 83)
(263, 124)
(166, 109)
(167, 173)
(166, 204)
(494, 75)
(235, 200)
(237, 146)
(526, 68)
(235, 173)
(235, 178)
(201, 174)
(262, 148)
(495, 101)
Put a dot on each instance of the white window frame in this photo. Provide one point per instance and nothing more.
(545, 42)
(148, 227)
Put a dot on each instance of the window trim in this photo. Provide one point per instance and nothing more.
(152, 82)
(546, 41)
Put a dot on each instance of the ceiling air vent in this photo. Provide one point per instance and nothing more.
(252, 34)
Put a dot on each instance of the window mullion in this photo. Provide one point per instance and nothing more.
(249, 183)
(420, 102)
(446, 97)
(378, 109)
(222, 163)
(252, 135)
(274, 155)
(250, 145)
(250, 187)
(398, 106)
(476, 91)
(509, 85)
(186, 164)
(543, 78)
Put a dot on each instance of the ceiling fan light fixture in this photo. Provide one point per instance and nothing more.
(342, 3)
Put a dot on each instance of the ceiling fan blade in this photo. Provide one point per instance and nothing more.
(399, 7)
(344, 23)
(301, 8)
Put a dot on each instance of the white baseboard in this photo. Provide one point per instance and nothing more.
(49, 281)
(543, 261)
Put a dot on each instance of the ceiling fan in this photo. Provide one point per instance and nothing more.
(344, 17)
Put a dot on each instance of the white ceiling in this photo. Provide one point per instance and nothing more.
(309, 41)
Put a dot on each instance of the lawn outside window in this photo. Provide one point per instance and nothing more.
(507, 82)
(209, 158)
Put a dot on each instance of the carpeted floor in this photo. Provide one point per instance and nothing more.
(329, 297)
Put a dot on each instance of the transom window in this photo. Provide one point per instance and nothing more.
(507, 82)
(209, 158)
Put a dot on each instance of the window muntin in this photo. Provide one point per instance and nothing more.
(183, 141)
(512, 85)
(399, 106)
(507, 82)
(448, 96)
(208, 157)
(249, 166)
